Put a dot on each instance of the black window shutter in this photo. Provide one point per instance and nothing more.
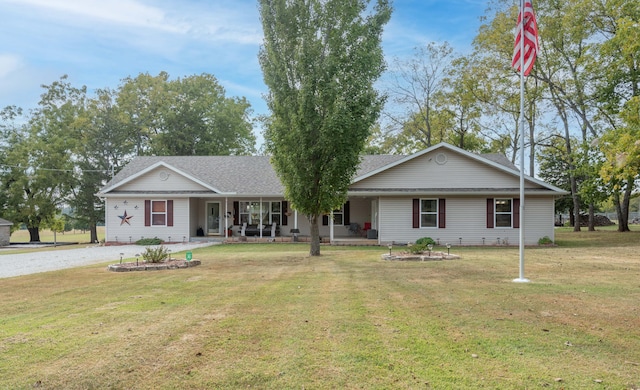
(442, 217)
(285, 210)
(516, 213)
(347, 219)
(416, 213)
(236, 213)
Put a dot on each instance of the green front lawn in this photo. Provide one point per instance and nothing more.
(268, 316)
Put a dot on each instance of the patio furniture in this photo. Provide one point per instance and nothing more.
(254, 230)
(365, 229)
(354, 229)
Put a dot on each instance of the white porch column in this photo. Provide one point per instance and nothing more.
(331, 227)
(260, 222)
(226, 217)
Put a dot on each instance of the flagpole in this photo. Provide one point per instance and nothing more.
(521, 278)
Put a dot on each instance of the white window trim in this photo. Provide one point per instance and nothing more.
(496, 213)
(266, 207)
(159, 213)
(339, 212)
(436, 213)
(273, 213)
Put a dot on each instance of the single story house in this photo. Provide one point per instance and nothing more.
(443, 192)
(5, 232)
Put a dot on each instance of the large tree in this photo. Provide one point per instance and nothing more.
(415, 84)
(619, 92)
(105, 147)
(497, 89)
(185, 116)
(40, 154)
(320, 59)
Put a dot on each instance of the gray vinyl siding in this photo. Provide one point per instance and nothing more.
(539, 219)
(457, 172)
(115, 232)
(152, 181)
(465, 222)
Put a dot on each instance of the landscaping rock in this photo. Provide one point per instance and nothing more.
(171, 264)
(405, 256)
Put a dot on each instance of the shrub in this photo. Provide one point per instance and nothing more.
(545, 241)
(425, 241)
(155, 255)
(417, 248)
(149, 241)
(421, 245)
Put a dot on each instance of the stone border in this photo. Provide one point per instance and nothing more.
(172, 264)
(403, 256)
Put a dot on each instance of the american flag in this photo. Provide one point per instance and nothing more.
(530, 32)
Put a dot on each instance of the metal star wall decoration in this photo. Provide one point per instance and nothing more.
(125, 218)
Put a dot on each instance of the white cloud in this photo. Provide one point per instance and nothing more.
(9, 63)
(215, 20)
(123, 12)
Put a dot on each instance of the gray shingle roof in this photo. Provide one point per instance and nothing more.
(372, 162)
(500, 159)
(232, 174)
(254, 175)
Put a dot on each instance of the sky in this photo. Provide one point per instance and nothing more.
(97, 43)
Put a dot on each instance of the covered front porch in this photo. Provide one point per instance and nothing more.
(266, 219)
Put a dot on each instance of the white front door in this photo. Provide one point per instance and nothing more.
(213, 218)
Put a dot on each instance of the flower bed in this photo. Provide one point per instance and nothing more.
(405, 256)
(141, 266)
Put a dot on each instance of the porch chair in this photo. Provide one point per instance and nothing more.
(354, 229)
(365, 229)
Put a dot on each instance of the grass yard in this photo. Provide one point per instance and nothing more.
(46, 235)
(268, 316)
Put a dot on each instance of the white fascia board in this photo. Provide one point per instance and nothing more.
(466, 153)
(515, 192)
(167, 166)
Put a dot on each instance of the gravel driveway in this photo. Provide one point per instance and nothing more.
(31, 263)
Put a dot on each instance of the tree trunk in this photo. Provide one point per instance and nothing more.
(572, 218)
(592, 219)
(576, 208)
(576, 203)
(94, 232)
(622, 208)
(315, 236)
(34, 234)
